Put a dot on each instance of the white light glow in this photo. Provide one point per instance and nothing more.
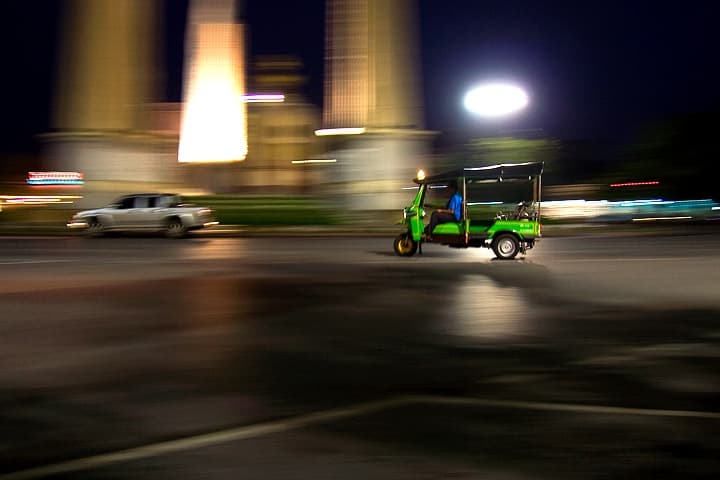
(339, 131)
(214, 126)
(495, 100)
(652, 219)
(37, 199)
(264, 98)
(421, 174)
(303, 162)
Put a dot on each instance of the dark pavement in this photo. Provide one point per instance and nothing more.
(593, 357)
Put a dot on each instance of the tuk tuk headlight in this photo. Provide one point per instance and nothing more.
(409, 213)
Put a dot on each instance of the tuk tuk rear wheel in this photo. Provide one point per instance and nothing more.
(506, 246)
(404, 245)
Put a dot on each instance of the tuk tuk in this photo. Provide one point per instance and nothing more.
(480, 225)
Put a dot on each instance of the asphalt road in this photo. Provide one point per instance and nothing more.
(593, 357)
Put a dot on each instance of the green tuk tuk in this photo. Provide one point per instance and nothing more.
(480, 187)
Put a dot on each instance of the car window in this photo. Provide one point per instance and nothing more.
(126, 202)
(141, 202)
(163, 201)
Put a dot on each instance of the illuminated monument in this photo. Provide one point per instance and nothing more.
(372, 114)
(214, 120)
(106, 80)
(105, 107)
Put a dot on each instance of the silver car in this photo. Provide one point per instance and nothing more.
(144, 212)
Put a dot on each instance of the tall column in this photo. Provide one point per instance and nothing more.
(107, 76)
(371, 77)
(106, 66)
(372, 111)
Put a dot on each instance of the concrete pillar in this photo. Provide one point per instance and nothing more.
(107, 77)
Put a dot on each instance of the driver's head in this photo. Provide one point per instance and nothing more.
(452, 186)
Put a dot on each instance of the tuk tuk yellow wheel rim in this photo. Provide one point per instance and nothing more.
(405, 246)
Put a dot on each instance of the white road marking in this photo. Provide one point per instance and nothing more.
(278, 426)
(23, 262)
(198, 441)
(562, 407)
(634, 259)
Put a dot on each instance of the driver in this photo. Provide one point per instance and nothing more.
(522, 212)
(451, 213)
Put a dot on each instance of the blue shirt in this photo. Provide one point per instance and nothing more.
(455, 204)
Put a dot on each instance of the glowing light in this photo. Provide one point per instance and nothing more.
(634, 184)
(641, 203)
(421, 174)
(303, 162)
(494, 100)
(55, 178)
(214, 120)
(652, 219)
(77, 224)
(263, 98)
(8, 200)
(636, 210)
(339, 131)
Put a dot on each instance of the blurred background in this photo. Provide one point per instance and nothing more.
(340, 102)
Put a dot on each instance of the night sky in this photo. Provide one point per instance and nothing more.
(595, 70)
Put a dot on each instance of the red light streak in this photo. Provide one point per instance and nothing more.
(634, 184)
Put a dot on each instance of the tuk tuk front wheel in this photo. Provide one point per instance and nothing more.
(404, 245)
(506, 246)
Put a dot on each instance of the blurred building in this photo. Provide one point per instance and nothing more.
(372, 116)
(281, 142)
(282, 145)
(110, 126)
(106, 80)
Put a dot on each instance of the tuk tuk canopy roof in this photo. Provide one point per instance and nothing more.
(501, 172)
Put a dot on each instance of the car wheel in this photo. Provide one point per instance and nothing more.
(175, 228)
(404, 245)
(506, 246)
(95, 228)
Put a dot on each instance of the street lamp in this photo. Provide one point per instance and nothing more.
(495, 100)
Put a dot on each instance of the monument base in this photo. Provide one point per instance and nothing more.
(375, 169)
(117, 164)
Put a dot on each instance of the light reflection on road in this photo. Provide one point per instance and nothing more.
(480, 308)
(215, 249)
